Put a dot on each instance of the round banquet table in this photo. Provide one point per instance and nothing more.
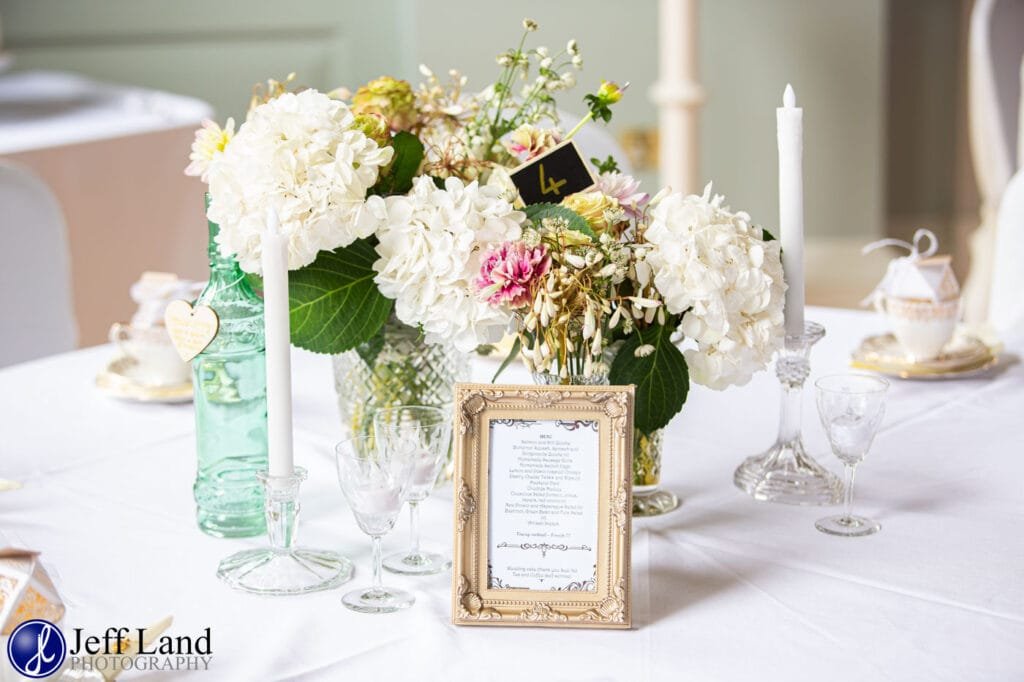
(724, 588)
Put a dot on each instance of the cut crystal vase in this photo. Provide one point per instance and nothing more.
(649, 499)
(396, 368)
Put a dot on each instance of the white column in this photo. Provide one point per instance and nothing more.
(678, 95)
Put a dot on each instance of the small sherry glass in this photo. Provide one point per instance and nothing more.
(426, 433)
(851, 407)
(374, 478)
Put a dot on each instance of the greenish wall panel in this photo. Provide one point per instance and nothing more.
(832, 51)
(212, 50)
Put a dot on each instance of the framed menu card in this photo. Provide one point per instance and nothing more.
(542, 505)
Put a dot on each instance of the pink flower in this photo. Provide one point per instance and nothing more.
(624, 188)
(510, 272)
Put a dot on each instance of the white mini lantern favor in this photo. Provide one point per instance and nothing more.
(919, 296)
(26, 591)
(921, 275)
(929, 279)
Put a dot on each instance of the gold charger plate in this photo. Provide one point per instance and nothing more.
(965, 356)
(120, 379)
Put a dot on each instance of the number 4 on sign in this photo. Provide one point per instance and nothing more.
(552, 186)
(553, 175)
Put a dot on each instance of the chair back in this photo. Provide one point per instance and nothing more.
(36, 310)
(995, 46)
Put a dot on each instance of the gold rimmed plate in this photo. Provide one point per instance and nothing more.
(123, 378)
(965, 356)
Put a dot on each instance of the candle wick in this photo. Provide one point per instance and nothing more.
(789, 97)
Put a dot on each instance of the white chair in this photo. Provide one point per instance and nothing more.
(36, 311)
(1006, 308)
(995, 47)
(1006, 305)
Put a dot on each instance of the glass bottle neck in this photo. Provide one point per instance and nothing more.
(220, 266)
(218, 262)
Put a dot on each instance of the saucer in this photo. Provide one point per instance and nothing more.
(122, 378)
(965, 356)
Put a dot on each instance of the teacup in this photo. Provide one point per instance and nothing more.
(922, 327)
(158, 361)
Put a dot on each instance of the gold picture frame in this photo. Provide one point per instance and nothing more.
(603, 416)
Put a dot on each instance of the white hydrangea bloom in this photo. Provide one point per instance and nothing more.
(431, 243)
(714, 264)
(297, 155)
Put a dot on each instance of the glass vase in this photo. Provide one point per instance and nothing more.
(396, 368)
(229, 377)
(648, 497)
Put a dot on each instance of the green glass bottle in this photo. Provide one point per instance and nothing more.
(230, 383)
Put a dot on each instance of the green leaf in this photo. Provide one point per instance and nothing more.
(767, 236)
(408, 157)
(512, 355)
(609, 165)
(255, 282)
(661, 378)
(599, 108)
(577, 223)
(369, 351)
(335, 304)
(403, 167)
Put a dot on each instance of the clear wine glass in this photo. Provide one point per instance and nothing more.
(426, 432)
(374, 476)
(851, 407)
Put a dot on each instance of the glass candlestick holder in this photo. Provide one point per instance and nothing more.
(283, 568)
(786, 473)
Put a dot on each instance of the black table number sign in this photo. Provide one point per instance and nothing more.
(553, 176)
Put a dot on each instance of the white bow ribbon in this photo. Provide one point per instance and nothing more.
(916, 254)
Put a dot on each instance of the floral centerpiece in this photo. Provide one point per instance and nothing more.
(328, 163)
(399, 206)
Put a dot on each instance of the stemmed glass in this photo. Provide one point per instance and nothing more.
(374, 476)
(426, 431)
(851, 407)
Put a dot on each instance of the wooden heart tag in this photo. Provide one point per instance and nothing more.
(191, 329)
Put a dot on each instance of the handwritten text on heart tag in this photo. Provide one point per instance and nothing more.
(191, 329)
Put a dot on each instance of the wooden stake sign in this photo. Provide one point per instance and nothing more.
(553, 176)
(191, 329)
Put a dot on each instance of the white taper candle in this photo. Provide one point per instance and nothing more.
(790, 124)
(278, 341)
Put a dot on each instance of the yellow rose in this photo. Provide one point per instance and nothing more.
(601, 211)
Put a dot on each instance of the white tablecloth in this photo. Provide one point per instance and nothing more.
(44, 109)
(725, 588)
